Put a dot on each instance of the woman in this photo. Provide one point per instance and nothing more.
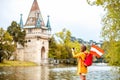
(81, 68)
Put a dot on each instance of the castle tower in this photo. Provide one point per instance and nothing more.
(37, 36)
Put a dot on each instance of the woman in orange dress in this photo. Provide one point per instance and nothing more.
(81, 68)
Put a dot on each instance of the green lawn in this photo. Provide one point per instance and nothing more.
(17, 63)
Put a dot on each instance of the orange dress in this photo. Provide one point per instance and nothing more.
(81, 68)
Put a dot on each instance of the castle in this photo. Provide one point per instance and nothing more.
(37, 37)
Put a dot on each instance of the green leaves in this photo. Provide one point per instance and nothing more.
(113, 55)
(6, 45)
(111, 29)
(17, 33)
(9, 40)
(61, 47)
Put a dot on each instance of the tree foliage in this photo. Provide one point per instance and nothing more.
(61, 47)
(17, 33)
(52, 48)
(6, 45)
(111, 28)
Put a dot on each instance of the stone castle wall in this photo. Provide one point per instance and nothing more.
(35, 50)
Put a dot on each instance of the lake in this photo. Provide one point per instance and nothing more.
(58, 72)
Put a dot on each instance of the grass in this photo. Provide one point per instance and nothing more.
(17, 63)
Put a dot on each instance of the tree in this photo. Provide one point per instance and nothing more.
(6, 45)
(52, 48)
(65, 43)
(111, 28)
(17, 33)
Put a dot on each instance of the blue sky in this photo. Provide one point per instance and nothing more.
(83, 20)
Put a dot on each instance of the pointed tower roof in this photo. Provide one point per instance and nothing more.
(21, 21)
(48, 24)
(34, 16)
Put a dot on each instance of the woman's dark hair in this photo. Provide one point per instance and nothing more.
(83, 48)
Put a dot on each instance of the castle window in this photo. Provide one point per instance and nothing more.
(43, 42)
(42, 31)
(29, 30)
(29, 40)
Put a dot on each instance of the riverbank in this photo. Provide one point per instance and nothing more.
(17, 63)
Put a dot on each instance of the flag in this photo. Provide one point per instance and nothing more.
(97, 51)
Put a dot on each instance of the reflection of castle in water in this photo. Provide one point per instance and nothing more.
(58, 72)
(25, 73)
(37, 36)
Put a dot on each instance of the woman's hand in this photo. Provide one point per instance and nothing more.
(72, 50)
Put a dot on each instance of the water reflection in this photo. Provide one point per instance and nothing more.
(94, 73)
(24, 73)
(56, 73)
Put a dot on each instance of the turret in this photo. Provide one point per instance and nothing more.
(21, 21)
(48, 24)
(37, 36)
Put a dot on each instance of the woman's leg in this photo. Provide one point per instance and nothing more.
(83, 77)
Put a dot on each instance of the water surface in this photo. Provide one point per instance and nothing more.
(57, 72)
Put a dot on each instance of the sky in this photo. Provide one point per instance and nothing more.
(77, 16)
